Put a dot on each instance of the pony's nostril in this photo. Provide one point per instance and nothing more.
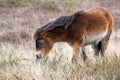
(39, 56)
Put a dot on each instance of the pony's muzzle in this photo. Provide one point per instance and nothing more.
(39, 56)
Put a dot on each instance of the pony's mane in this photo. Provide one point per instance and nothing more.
(63, 21)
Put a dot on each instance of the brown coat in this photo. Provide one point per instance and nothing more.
(92, 26)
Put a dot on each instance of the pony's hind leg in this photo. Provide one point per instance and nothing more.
(104, 44)
(96, 48)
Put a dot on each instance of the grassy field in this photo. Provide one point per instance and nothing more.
(17, 58)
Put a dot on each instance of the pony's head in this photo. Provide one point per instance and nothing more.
(43, 43)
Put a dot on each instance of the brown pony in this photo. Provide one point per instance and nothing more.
(89, 27)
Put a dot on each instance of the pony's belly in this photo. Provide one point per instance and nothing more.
(95, 38)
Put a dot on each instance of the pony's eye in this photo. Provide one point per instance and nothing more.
(39, 43)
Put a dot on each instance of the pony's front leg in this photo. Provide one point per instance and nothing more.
(76, 55)
(75, 59)
(83, 54)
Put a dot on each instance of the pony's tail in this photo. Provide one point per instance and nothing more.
(110, 19)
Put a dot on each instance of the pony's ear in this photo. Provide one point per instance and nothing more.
(38, 30)
(36, 34)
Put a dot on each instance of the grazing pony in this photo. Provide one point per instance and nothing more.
(89, 27)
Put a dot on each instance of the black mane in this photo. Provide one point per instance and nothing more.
(63, 21)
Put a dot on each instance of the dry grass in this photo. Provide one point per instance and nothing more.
(20, 64)
(17, 58)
